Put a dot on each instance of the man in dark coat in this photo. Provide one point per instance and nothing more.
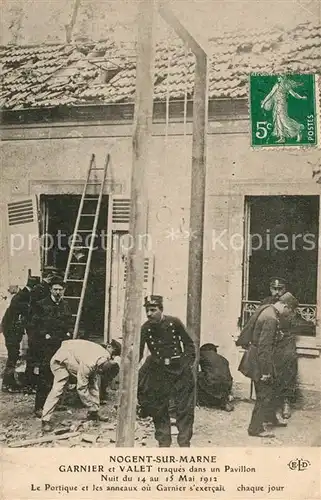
(53, 324)
(214, 381)
(39, 292)
(286, 360)
(14, 324)
(167, 373)
(265, 337)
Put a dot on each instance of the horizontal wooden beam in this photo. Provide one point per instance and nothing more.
(168, 16)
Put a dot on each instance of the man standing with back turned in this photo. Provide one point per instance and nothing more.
(167, 373)
(266, 335)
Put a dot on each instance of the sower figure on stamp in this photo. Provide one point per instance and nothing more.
(53, 324)
(167, 373)
(259, 363)
(286, 362)
(87, 362)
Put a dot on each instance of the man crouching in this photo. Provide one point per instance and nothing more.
(86, 361)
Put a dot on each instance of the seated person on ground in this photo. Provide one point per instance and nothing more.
(214, 381)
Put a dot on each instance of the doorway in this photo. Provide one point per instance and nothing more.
(281, 240)
(58, 218)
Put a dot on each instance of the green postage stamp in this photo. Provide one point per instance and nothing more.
(283, 110)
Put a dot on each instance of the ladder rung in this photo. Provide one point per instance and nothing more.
(98, 168)
(94, 184)
(74, 281)
(69, 297)
(85, 231)
(80, 247)
(91, 199)
(78, 263)
(87, 215)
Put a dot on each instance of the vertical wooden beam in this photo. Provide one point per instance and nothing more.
(125, 436)
(197, 209)
(198, 178)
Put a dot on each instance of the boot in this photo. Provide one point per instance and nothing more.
(262, 434)
(94, 415)
(286, 410)
(46, 427)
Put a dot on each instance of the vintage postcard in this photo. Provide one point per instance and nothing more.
(160, 281)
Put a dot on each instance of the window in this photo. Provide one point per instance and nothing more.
(281, 239)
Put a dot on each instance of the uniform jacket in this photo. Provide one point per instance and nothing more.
(16, 317)
(82, 359)
(246, 334)
(265, 336)
(51, 321)
(167, 341)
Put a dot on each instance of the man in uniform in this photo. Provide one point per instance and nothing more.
(39, 292)
(278, 287)
(286, 362)
(53, 324)
(14, 324)
(214, 381)
(87, 362)
(266, 335)
(167, 373)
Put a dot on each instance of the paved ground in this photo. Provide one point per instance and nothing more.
(212, 427)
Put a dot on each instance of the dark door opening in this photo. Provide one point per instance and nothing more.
(282, 241)
(59, 215)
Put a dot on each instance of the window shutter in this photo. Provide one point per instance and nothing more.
(148, 274)
(23, 239)
(120, 207)
(20, 212)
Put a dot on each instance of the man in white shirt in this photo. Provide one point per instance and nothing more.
(87, 362)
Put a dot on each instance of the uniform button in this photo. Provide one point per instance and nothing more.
(171, 324)
(173, 331)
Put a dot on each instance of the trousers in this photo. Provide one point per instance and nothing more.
(160, 385)
(45, 380)
(13, 350)
(264, 409)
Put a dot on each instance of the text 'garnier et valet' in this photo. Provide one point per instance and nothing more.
(134, 459)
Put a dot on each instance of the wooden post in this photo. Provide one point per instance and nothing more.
(198, 178)
(125, 434)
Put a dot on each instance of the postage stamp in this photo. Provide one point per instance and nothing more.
(283, 110)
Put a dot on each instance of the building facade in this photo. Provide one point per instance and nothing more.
(252, 196)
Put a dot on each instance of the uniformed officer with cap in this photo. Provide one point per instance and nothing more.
(261, 363)
(167, 373)
(286, 362)
(278, 286)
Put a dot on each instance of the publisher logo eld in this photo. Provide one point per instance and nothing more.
(299, 464)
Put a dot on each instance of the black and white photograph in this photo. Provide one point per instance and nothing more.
(160, 280)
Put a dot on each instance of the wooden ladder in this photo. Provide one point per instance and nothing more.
(89, 210)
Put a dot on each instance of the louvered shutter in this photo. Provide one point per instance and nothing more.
(148, 274)
(23, 239)
(120, 214)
